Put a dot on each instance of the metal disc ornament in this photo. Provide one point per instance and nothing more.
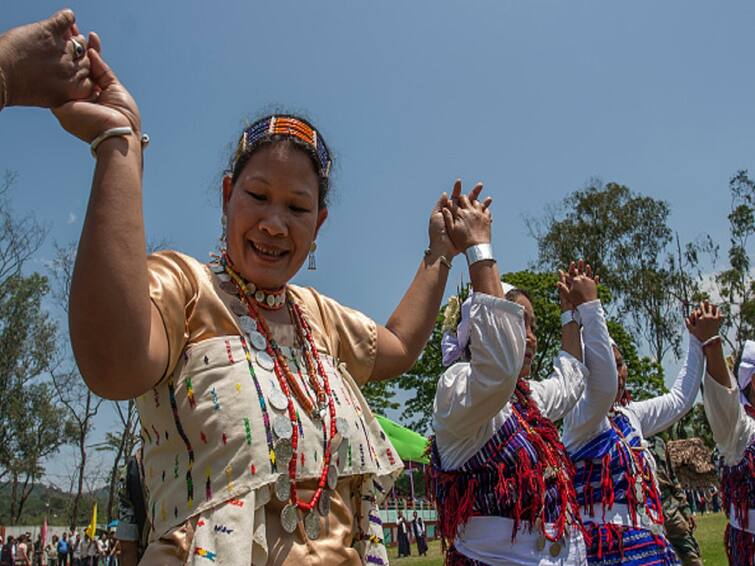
(282, 427)
(239, 308)
(247, 324)
(555, 549)
(332, 477)
(323, 505)
(342, 426)
(343, 454)
(265, 361)
(289, 518)
(283, 487)
(229, 287)
(278, 400)
(258, 340)
(284, 451)
(540, 543)
(312, 525)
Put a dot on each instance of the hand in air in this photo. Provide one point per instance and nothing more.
(704, 322)
(577, 285)
(467, 220)
(47, 64)
(111, 105)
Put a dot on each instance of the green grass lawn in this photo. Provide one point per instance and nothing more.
(710, 532)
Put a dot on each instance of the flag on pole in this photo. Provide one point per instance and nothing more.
(43, 534)
(411, 446)
(91, 530)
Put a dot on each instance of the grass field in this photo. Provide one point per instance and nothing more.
(710, 532)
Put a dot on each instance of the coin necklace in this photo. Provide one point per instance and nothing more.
(288, 385)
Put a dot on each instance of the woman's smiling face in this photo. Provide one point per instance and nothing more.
(272, 214)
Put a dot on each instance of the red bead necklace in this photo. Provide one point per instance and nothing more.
(288, 383)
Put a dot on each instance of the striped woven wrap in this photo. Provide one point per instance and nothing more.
(504, 478)
(612, 469)
(738, 487)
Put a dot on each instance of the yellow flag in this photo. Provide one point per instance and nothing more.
(91, 530)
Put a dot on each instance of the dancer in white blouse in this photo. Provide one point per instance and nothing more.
(502, 478)
(615, 472)
(731, 414)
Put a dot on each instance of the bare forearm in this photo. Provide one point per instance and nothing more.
(485, 278)
(413, 320)
(109, 305)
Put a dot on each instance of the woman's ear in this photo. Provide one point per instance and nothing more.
(321, 216)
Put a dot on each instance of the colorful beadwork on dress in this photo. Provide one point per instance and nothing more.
(228, 351)
(190, 394)
(208, 484)
(248, 431)
(214, 397)
(263, 404)
(187, 442)
(223, 529)
(204, 553)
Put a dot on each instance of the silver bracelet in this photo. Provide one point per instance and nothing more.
(479, 252)
(116, 132)
(567, 317)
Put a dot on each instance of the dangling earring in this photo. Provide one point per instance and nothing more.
(312, 261)
(223, 224)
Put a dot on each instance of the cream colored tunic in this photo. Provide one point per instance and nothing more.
(209, 431)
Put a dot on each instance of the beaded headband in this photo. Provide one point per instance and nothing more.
(289, 126)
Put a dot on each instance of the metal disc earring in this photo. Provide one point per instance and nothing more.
(312, 265)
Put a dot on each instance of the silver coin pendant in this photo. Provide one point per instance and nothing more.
(278, 400)
(312, 525)
(342, 426)
(258, 340)
(283, 451)
(282, 427)
(323, 505)
(289, 518)
(283, 488)
(265, 361)
(332, 477)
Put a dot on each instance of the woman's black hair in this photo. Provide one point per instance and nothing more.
(515, 293)
(241, 157)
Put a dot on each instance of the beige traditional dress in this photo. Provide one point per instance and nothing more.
(212, 426)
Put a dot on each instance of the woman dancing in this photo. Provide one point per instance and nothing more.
(615, 471)
(258, 445)
(731, 414)
(503, 481)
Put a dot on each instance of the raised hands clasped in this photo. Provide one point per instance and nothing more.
(704, 322)
(577, 285)
(45, 63)
(111, 105)
(467, 220)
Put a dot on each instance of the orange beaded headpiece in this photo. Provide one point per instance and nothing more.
(288, 126)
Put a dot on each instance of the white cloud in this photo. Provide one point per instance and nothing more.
(71, 218)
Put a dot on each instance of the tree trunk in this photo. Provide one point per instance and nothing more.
(83, 425)
(13, 496)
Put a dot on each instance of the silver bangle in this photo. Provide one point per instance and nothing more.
(116, 132)
(567, 317)
(479, 252)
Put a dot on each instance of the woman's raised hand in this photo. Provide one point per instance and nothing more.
(111, 105)
(467, 220)
(704, 322)
(45, 63)
(577, 285)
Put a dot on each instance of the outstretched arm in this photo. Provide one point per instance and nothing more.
(656, 415)
(401, 340)
(117, 334)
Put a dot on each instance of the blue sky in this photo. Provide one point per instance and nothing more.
(533, 98)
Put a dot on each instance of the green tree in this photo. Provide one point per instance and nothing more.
(735, 284)
(626, 237)
(645, 377)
